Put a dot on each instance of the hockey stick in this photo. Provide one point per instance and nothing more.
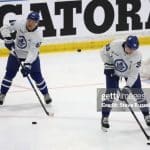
(47, 113)
(137, 120)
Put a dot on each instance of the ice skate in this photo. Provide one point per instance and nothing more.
(2, 97)
(47, 98)
(147, 120)
(105, 124)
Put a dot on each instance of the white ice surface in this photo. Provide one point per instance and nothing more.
(72, 79)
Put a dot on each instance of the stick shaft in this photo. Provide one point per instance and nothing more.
(32, 85)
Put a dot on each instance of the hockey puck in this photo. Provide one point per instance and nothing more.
(148, 143)
(34, 122)
(78, 50)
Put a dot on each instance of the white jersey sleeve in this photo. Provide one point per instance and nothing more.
(106, 55)
(33, 51)
(6, 30)
(134, 70)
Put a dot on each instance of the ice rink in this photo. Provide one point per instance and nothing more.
(72, 78)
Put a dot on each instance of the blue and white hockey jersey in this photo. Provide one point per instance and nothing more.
(125, 65)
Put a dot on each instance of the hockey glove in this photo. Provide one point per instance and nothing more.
(124, 93)
(9, 43)
(26, 69)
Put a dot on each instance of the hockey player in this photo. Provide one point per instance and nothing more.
(122, 59)
(26, 46)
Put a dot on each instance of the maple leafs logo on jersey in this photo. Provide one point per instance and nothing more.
(120, 65)
(21, 42)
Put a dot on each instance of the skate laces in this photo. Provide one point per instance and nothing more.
(46, 97)
(147, 118)
(2, 96)
(105, 120)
